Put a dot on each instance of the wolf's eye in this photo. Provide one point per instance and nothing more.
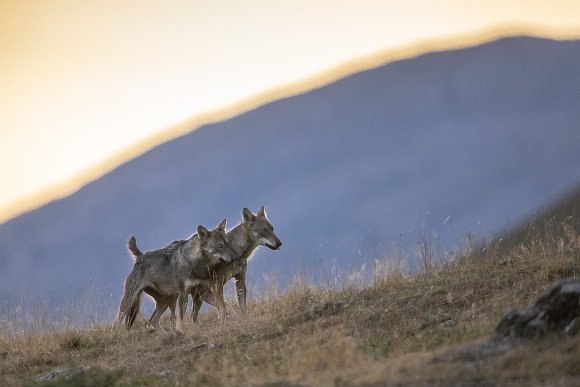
(220, 245)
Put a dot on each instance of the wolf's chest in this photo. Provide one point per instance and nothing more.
(235, 268)
(193, 282)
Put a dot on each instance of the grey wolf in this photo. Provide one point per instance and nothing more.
(176, 268)
(253, 231)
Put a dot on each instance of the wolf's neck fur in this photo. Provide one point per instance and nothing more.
(240, 242)
(193, 259)
(190, 250)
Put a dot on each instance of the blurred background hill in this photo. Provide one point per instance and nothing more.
(474, 140)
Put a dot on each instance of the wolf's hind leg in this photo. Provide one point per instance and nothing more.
(130, 302)
(156, 316)
(134, 310)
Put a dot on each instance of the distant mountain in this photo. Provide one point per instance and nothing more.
(469, 140)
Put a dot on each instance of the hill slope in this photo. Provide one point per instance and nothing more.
(464, 140)
(400, 330)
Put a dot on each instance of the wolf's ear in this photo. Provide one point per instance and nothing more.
(222, 226)
(202, 232)
(261, 212)
(247, 215)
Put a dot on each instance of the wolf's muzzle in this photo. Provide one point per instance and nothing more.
(277, 247)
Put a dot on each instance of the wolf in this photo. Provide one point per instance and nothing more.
(253, 231)
(164, 273)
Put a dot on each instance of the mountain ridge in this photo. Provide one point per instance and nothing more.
(341, 70)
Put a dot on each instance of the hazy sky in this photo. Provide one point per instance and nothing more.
(85, 85)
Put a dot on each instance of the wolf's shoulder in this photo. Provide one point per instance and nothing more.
(171, 248)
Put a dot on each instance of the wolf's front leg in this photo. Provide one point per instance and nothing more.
(172, 318)
(196, 301)
(181, 301)
(241, 291)
(218, 295)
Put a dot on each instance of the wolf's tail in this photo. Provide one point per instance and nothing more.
(132, 246)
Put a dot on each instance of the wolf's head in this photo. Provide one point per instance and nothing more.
(214, 245)
(260, 230)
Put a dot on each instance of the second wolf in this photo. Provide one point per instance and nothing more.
(253, 231)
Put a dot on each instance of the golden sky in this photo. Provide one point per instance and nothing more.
(86, 85)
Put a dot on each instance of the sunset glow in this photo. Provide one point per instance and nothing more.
(87, 85)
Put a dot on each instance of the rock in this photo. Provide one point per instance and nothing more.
(65, 373)
(556, 311)
(573, 328)
(517, 324)
(203, 346)
(448, 323)
(166, 373)
(476, 351)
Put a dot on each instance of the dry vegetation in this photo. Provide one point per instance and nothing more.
(391, 332)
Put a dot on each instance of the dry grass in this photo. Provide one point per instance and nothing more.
(388, 332)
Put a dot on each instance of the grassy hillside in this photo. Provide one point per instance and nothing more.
(399, 329)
